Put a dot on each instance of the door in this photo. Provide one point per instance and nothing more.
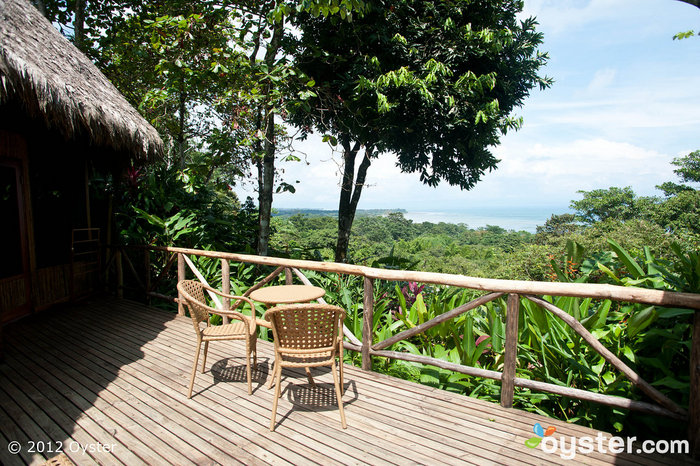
(14, 261)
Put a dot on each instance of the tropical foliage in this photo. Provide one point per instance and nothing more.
(218, 78)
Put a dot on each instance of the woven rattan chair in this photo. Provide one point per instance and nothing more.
(241, 328)
(307, 335)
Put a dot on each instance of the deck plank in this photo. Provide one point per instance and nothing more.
(116, 372)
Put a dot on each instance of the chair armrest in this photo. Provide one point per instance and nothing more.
(263, 323)
(252, 321)
(230, 296)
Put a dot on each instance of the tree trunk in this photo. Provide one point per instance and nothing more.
(79, 25)
(181, 132)
(350, 191)
(266, 171)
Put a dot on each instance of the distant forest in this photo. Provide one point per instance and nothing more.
(285, 213)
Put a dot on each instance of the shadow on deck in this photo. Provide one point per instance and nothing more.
(105, 380)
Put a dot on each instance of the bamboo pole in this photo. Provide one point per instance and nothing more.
(226, 286)
(442, 364)
(647, 388)
(694, 405)
(201, 278)
(264, 281)
(456, 312)
(600, 398)
(180, 276)
(352, 347)
(368, 324)
(510, 357)
(582, 290)
(609, 400)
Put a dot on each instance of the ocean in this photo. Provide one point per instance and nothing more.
(508, 218)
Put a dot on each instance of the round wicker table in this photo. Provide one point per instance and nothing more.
(287, 294)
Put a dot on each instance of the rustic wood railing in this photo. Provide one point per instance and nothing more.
(514, 289)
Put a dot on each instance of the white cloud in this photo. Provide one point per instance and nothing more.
(601, 80)
(623, 18)
(563, 16)
(584, 164)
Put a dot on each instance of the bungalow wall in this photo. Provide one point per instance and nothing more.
(45, 211)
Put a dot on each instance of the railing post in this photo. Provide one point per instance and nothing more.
(511, 351)
(694, 405)
(226, 285)
(120, 272)
(288, 277)
(367, 324)
(180, 276)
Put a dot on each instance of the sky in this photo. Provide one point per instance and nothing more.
(625, 101)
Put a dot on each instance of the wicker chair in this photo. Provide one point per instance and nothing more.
(307, 335)
(241, 328)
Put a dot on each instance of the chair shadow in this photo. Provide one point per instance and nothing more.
(232, 370)
(315, 398)
(319, 397)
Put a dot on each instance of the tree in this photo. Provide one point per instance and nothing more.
(602, 204)
(688, 171)
(275, 75)
(555, 227)
(211, 76)
(680, 211)
(433, 82)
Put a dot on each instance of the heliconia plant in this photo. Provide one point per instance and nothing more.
(651, 340)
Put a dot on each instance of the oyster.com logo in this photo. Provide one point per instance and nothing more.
(540, 432)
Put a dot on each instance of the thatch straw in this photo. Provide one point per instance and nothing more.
(51, 79)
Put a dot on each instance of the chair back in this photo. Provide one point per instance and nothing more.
(306, 326)
(193, 292)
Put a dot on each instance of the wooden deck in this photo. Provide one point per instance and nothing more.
(109, 374)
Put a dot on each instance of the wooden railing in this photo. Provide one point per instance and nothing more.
(514, 290)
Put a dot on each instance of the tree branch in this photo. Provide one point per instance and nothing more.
(695, 3)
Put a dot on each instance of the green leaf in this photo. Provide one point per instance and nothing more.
(152, 219)
(669, 313)
(599, 318)
(671, 382)
(641, 320)
(633, 268)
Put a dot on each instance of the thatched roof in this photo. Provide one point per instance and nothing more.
(51, 79)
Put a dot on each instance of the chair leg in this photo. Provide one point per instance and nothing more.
(255, 353)
(278, 394)
(194, 368)
(339, 395)
(340, 369)
(308, 376)
(247, 370)
(274, 372)
(204, 361)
